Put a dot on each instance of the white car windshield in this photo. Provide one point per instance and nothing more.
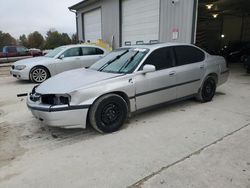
(123, 60)
(55, 52)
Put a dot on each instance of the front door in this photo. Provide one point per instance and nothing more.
(70, 59)
(157, 87)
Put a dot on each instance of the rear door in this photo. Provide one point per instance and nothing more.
(159, 86)
(70, 59)
(90, 55)
(190, 69)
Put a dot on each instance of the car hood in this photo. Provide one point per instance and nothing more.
(32, 61)
(70, 81)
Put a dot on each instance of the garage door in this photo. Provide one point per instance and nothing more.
(92, 25)
(140, 21)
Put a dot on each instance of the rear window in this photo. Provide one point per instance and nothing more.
(187, 54)
(92, 51)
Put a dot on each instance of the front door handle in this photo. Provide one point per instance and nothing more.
(202, 67)
(77, 58)
(172, 73)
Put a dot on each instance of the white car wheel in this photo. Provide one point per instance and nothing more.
(39, 74)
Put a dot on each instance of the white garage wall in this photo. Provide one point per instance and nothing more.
(140, 20)
(92, 25)
(172, 16)
(179, 16)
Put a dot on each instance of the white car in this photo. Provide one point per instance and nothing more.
(61, 59)
(127, 80)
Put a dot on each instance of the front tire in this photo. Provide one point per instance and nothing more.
(39, 74)
(207, 91)
(108, 113)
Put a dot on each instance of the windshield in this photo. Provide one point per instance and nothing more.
(54, 52)
(120, 61)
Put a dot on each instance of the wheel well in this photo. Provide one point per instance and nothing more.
(124, 96)
(42, 67)
(215, 76)
(120, 93)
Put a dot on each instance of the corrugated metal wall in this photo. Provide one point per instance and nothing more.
(177, 17)
(110, 20)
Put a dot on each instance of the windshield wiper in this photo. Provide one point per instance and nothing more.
(128, 62)
(113, 60)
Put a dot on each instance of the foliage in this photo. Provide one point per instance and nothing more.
(55, 39)
(6, 39)
(23, 41)
(74, 39)
(35, 40)
(52, 40)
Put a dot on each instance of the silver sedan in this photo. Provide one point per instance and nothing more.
(61, 59)
(127, 80)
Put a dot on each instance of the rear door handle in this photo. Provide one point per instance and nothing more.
(172, 73)
(202, 67)
(77, 58)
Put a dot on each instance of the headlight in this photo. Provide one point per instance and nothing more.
(20, 67)
(56, 99)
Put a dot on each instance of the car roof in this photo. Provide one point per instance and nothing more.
(156, 46)
(81, 45)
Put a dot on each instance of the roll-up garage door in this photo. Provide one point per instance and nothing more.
(140, 21)
(92, 25)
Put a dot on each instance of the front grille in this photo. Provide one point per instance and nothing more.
(48, 99)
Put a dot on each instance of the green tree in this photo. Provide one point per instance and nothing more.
(55, 39)
(52, 39)
(24, 41)
(6, 39)
(35, 40)
(65, 39)
(74, 39)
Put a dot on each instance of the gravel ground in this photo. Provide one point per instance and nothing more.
(186, 144)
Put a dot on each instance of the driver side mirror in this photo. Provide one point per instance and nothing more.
(61, 56)
(148, 68)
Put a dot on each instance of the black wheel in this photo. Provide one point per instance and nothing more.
(108, 113)
(39, 74)
(207, 92)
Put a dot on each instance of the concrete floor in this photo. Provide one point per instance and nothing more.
(186, 144)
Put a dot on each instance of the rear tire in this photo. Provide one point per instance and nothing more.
(207, 91)
(108, 113)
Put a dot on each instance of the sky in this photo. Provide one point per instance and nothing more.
(19, 17)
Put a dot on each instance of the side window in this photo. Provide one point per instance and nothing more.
(21, 49)
(99, 51)
(92, 51)
(72, 52)
(188, 54)
(161, 58)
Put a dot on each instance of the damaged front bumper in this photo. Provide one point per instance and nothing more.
(65, 116)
